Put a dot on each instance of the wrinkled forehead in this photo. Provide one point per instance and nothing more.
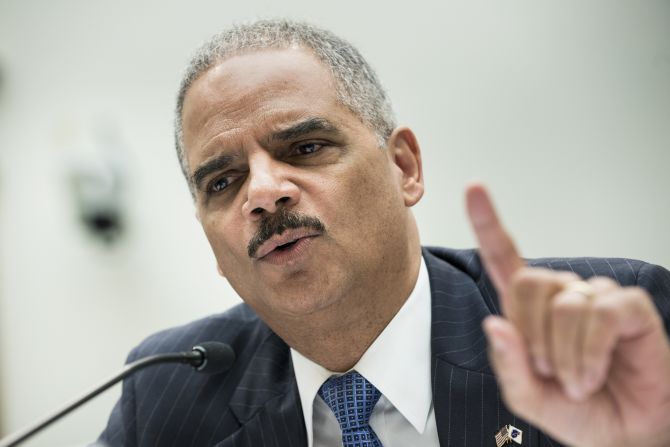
(257, 90)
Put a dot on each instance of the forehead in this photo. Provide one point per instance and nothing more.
(255, 91)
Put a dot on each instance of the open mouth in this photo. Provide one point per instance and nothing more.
(286, 246)
(289, 250)
(290, 242)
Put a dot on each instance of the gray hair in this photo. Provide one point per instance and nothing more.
(356, 83)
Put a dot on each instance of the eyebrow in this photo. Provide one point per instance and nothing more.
(303, 128)
(300, 129)
(213, 165)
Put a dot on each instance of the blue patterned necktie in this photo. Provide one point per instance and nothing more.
(352, 399)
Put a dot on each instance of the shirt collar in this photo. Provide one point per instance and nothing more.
(397, 363)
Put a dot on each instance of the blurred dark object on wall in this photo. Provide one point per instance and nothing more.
(98, 177)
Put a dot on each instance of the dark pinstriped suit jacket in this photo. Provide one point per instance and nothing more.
(256, 403)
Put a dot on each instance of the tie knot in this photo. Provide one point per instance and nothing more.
(351, 398)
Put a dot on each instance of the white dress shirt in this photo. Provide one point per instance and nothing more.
(398, 365)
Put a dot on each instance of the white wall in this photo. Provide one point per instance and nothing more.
(563, 108)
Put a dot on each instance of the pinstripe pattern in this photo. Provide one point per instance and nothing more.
(256, 403)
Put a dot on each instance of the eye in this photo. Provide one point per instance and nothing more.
(308, 148)
(220, 184)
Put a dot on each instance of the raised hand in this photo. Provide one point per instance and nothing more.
(588, 362)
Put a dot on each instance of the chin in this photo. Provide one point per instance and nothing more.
(302, 304)
(293, 302)
(298, 295)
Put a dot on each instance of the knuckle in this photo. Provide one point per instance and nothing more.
(638, 303)
(637, 294)
(566, 307)
(603, 283)
(604, 312)
(566, 277)
(633, 301)
(525, 278)
(530, 282)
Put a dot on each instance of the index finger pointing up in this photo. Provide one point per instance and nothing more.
(496, 247)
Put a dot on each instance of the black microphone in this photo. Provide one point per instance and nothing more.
(210, 357)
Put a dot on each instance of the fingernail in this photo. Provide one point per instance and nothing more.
(590, 381)
(574, 391)
(543, 367)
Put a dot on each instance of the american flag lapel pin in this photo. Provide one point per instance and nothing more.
(507, 435)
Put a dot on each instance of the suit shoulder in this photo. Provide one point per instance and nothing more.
(624, 271)
(237, 326)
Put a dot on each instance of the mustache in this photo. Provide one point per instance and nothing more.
(279, 222)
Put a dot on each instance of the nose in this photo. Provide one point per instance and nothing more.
(269, 187)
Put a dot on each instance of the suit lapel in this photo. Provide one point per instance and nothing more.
(466, 399)
(266, 401)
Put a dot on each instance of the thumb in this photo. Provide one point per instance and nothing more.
(522, 390)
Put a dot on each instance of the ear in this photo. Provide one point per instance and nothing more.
(406, 155)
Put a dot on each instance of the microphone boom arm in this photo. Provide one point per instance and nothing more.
(195, 358)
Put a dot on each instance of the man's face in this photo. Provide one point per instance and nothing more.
(300, 205)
